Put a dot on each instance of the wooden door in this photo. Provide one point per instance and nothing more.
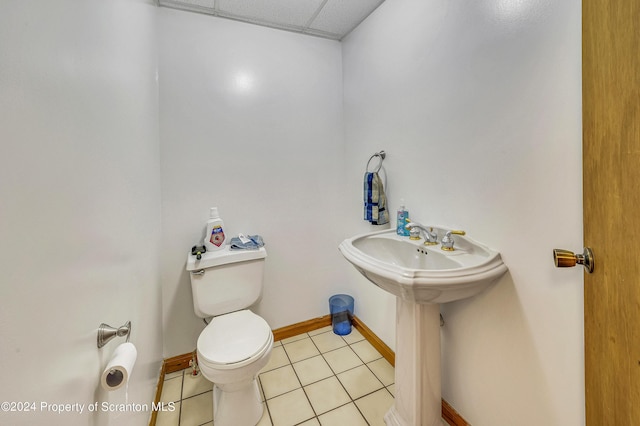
(611, 168)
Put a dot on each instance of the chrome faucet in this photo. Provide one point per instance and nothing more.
(430, 236)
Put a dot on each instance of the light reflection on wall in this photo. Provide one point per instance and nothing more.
(515, 10)
(243, 81)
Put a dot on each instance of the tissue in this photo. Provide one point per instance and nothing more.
(119, 367)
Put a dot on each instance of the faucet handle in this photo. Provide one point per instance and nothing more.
(447, 240)
(414, 233)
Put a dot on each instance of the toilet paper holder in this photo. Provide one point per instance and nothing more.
(106, 333)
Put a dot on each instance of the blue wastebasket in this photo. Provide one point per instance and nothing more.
(341, 308)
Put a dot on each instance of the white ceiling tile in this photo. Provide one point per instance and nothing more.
(323, 18)
(288, 12)
(341, 16)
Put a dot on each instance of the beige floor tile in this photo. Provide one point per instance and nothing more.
(294, 338)
(301, 349)
(366, 351)
(279, 381)
(312, 370)
(328, 341)
(320, 330)
(326, 395)
(174, 374)
(287, 402)
(197, 410)
(375, 406)
(359, 381)
(278, 359)
(383, 371)
(353, 337)
(169, 418)
(343, 416)
(194, 385)
(342, 359)
(290, 409)
(171, 390)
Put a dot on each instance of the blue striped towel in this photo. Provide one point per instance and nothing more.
(246, 242)
(375, 201)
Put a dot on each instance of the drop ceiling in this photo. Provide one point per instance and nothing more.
(332, 19)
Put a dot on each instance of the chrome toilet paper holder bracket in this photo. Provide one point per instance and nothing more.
(106, 333)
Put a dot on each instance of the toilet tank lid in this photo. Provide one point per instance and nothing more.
(223, 257)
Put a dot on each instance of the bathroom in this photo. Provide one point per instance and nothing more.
(124, 122)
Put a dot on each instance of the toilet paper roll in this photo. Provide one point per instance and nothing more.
(119, 367)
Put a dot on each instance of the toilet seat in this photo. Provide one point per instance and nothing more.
(233, 340)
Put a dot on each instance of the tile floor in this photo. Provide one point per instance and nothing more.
(315, 378)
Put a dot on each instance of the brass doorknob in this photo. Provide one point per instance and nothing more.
(566, 259)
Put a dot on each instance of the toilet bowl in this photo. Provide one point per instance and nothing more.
(232, 350)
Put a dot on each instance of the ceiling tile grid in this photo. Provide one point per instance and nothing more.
(294, 13)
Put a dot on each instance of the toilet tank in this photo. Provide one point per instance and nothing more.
(226, 280)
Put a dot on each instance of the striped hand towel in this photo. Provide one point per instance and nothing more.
(375, 201)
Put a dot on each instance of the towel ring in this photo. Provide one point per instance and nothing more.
(381, 155)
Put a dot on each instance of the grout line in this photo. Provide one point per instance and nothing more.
(361, 413)
(181, 376)
(197, 394)
(266, 406)
(181, 384)
(315, 415)
(375, 375)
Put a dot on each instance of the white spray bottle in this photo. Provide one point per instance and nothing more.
(214, 238)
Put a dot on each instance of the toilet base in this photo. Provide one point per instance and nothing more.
(238, 407)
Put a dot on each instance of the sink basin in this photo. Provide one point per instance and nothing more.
(423, 274)
(421, 277)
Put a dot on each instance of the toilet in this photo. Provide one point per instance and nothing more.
(236, 344)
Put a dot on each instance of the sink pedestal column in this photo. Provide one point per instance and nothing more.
(418, 400)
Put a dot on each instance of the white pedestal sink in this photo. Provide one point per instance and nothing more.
(421, 277)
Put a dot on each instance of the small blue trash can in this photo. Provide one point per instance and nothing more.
(341, 308)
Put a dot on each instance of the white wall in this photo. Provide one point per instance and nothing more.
(80, 203)
(251, 122)
(478, 105)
